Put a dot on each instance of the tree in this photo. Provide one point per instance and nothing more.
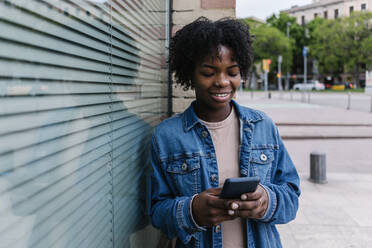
(366, 48)
(288, 26)
(343, 45)
(269, 43)
(325, 45)
(357, 30)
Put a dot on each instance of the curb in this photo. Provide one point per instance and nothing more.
(323, 124)
(288, 137)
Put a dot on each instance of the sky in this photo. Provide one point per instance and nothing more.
(264, 8)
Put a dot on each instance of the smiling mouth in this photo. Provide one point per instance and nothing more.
(221, 97)
(221, 94)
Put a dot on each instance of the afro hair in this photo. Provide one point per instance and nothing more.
(202, 38)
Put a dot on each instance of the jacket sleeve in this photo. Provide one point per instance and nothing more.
(169, 213)
(283, 190)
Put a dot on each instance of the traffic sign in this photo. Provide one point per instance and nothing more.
(266, 64)
(304, 51)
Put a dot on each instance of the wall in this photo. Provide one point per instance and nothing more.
(82, 83)
(185, 12)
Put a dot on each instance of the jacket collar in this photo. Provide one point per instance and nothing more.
(190, 119)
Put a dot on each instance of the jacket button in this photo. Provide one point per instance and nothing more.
(184, 166)
(205, 134)
(263, 157)
(217, 229)
(214, 178)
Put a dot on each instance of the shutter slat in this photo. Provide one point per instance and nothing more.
(16, 87)
(28, 121)
(11, 105)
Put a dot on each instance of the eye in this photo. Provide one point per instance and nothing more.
(207, 74)
(231, 74)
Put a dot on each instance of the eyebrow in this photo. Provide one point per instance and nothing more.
(213, 67)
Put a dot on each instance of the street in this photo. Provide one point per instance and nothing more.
(358, 101)
(336, 214)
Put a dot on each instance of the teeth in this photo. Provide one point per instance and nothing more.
(221, 95)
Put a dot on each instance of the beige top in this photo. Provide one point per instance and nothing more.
(225, 137)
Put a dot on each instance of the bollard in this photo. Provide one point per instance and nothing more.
(348, 101)
(318, 167)
(269, 95)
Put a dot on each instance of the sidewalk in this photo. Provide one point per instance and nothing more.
(338, 213)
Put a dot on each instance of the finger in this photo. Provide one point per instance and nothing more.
(250, 205)
(253, 195)
(216, 202)
(214, 191)
(232, 204)
(231, 212)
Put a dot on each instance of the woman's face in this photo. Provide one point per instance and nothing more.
(216, 80)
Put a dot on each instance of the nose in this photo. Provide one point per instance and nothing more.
(222, 81)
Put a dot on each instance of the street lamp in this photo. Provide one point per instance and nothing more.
(287, 79)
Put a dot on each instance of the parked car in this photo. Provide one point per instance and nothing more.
(342, 86)
(310, 85)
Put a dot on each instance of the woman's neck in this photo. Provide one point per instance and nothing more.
(212, 115)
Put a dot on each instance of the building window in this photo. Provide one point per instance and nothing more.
(336, 13)
(303, 20)
(351, 9)
(364, 6)
(325, 14)
(315, 15)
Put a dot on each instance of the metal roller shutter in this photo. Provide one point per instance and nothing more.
(82, 84)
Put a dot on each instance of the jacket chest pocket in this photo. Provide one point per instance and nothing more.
(185, 174)
(261, 164)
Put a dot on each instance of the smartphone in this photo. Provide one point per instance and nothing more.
(233, 188)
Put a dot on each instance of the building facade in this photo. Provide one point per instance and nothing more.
(328, 9)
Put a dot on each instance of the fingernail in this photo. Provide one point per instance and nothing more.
(234, 205)
(231, 212)
(243, 197)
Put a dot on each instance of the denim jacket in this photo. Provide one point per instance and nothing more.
(184, 163)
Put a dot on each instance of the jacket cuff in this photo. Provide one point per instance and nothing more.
(271, 205)
(185, 221)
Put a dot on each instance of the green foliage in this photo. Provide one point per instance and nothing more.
(366, 48)
(288, 26)
(269, 43)
(343, 44)
(325, 45)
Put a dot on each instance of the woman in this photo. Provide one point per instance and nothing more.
(214, 139)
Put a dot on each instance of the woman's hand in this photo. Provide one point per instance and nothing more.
(209, 210)
(252, 205)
